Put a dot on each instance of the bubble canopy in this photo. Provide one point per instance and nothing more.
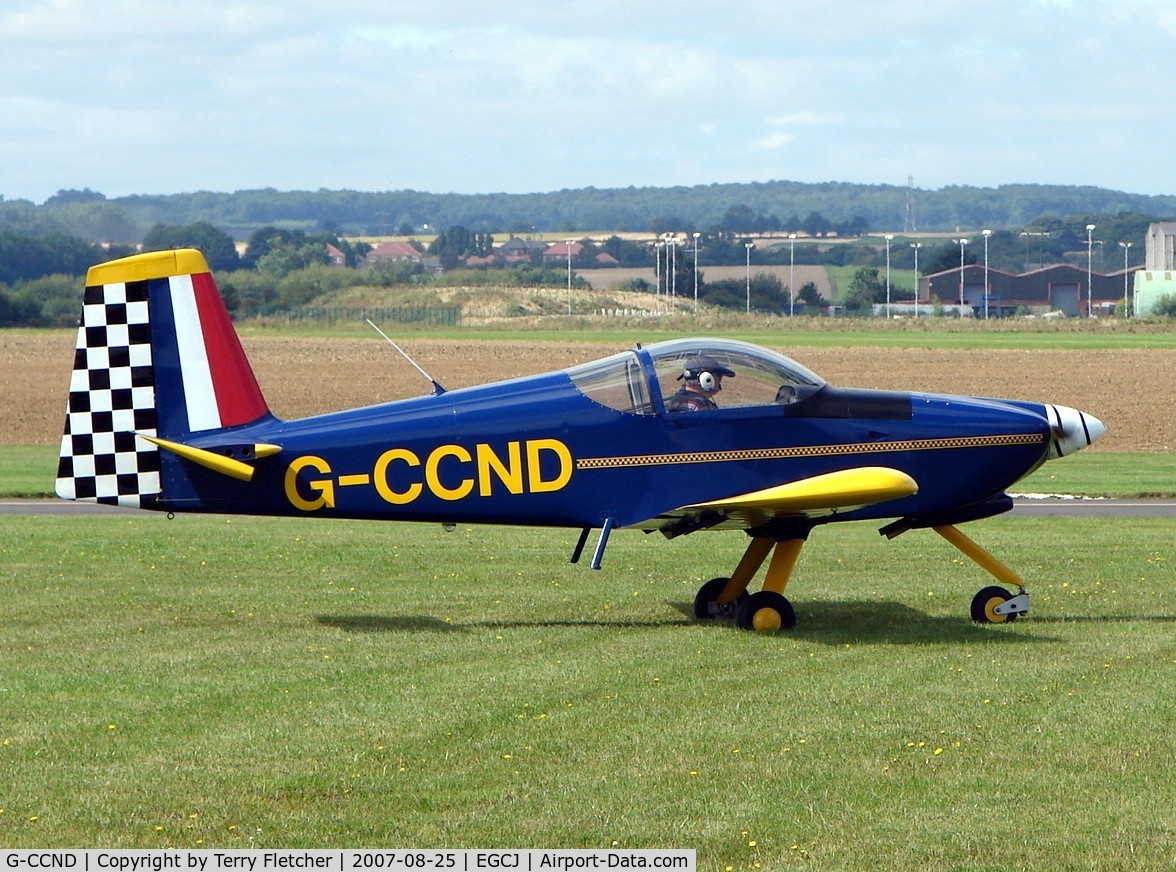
(762, 377)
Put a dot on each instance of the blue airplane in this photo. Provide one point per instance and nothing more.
(676, 437)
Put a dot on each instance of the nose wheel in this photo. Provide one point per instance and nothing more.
(992, 604)
(995, 605)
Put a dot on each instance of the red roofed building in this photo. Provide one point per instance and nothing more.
(392, 251)
(559, 251)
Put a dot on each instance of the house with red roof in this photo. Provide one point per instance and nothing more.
(390, 252)
(559, 251)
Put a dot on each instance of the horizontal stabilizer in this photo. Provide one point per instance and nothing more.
(221, 463)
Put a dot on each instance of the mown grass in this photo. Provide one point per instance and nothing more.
(29, 470)
(228, 682)
(1094, 473)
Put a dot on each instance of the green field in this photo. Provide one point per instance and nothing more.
(226, 682)
(27, 470)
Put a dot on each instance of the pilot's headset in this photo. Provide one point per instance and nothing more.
(705, 371)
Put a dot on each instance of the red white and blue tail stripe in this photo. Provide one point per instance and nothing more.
(156, 356)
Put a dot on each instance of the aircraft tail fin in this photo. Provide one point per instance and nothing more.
(156, 356)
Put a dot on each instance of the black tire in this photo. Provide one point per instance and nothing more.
(986, 600)
(705, 607)
(766, 612)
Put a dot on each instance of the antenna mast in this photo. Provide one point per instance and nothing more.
(437, 389)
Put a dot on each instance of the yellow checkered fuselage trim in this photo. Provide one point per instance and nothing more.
(811, 451)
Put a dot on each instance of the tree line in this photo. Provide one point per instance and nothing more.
(44, 249)
(746, 208)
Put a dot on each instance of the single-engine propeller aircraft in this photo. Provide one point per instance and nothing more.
(678, 437)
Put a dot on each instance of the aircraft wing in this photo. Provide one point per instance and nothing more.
(810, 497)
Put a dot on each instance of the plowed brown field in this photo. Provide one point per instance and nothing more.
(1132, 391)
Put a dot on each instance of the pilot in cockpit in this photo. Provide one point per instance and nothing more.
(701, 379)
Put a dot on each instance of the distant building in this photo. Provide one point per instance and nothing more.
(1060, 287)
(558, 251)
(390, 252)
(522, 249)
(1160, 247)
(335, 257)
(1158, 278)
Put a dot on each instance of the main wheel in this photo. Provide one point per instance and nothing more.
(707, 609)
(766, 612)
(984, 606)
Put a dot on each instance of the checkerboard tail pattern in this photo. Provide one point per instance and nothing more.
(111, 398)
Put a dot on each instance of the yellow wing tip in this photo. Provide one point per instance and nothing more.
(149, 265)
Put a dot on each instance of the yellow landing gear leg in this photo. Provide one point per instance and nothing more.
(769, 611)
(783, 562)
(993, 604)
(719, 598)
(766, 611)
(753, 558)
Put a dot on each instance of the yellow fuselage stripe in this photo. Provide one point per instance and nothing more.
(811, 451)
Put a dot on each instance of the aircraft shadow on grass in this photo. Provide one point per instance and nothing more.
(828, 623)
(430, 624)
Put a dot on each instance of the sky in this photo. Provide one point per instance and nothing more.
(171, 96)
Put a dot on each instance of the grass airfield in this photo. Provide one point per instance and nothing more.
(216, 682)
(213, 682)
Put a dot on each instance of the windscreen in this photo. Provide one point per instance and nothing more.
(616, 382)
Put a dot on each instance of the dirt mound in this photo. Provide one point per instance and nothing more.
(1131, 390)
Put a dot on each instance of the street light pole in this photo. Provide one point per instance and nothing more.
(1126, 246)
(749, 246)
(916, 246)
(987, 233)
(791, 275)
(657, 276)
(569, 245)
(696, 235)
(1089, 271)
(889, 236)
(962, 243)
(672, 280)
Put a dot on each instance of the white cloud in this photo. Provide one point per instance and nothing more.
(771, 142)
(150, 95)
